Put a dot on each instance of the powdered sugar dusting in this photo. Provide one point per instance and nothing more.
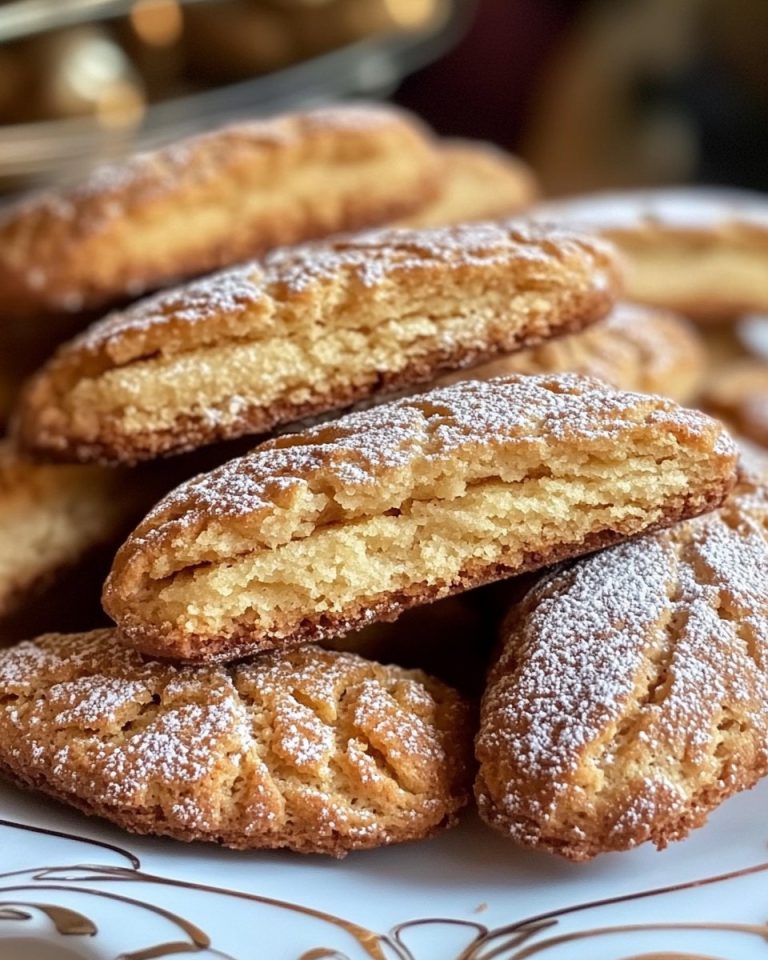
(247, 300)
(634, 659)
(257, 755)
(111, 191)
(354, 452)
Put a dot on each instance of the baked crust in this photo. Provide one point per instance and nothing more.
(210, 201)
(313, 750)
(702, 252)
(310, 331)
(629, 697)
(53, 516)
(319, 532)
(480, 182)
(635, 348)
(738, 394)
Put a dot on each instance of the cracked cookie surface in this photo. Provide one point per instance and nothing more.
(313, 750)
(309, 331)
(629, 699)
(319, 532)
(210, 201)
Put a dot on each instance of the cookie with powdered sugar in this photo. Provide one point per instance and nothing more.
(313, 750)
(630, 696)
(210, 201)
(319, 532)
(700, 251)
(307, 332)
(635, 348)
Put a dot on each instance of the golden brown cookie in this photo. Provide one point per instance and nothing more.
(480, 182)
(309, 331)
(701, 252)
(631, 696)
(635, 348)
(738, 394)
(316, 533)
(52, 516)
(211, 201)
(309, 749)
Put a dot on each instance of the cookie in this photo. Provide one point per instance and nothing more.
(480, 182)
(738, 394)
(701, 252)
(320, 532)
(316, 751)
(635, 348)
(50, 518)
(210, 201)
(630, 697)
(309, 331)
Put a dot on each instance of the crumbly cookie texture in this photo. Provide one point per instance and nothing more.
(309, 331)
(738, 394)
(210, 201)
(319, 532)
(630, 696)
(51, 517)
(635, 348)
(703, 252)
(309, 749)
(480, 182)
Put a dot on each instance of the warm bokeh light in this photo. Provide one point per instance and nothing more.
(411, 13)
(157, 22)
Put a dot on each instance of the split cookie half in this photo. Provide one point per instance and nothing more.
(630, 698)
(309, 749)
(316, 533)
(310, 331)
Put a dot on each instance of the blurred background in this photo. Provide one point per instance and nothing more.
(593, 93)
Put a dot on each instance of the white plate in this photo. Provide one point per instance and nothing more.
(115, 895)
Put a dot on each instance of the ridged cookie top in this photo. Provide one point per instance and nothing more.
(371, 462)
(674, 210)
(47, 240)
(315, 750)
(265, 299)
(631, 683)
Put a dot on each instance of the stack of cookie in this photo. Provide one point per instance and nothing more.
(232, 701)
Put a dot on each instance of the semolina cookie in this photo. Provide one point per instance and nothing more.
(635, 348)
(309, 749)
(210, 201)
(317, 533)
(631, 695)
(702, 252)
(51, 517)
(480, 182)
(307, 332)
(738, 394)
